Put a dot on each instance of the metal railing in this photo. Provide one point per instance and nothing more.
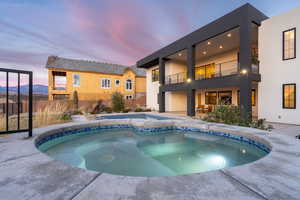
(221, 69)
(176, 78)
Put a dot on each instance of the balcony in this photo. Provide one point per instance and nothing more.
(176, 78)
(210, 71)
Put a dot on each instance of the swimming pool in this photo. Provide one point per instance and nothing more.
(171, 151)
(133, 116)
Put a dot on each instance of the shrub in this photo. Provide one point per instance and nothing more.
(75, 99)
(138, 110)
(117, 102)
(126, 110)
(65, 117)
(148, 110)
(233, 115)
(99, 108)
(108, 109)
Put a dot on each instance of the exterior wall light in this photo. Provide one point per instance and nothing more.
(189, 80)
(244, 71)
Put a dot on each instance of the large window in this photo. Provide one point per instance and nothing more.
(155, 75)
(76, 80)
(289, 44)
(128, 84)
(211, 98)
(225, 97)
(289, 96)
(105, 83)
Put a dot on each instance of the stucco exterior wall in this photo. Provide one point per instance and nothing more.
(176, 101)
(152, 90)
(90, 84)
(172, 67)
(274, 71)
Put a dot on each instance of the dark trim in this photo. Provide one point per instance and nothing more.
(295, 96)
(295, 44)
(246, 14)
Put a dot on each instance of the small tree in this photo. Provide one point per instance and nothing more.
(117, 102)
(75, 99)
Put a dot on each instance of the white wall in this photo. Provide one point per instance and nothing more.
(176, 101)
(152, 90)
(218, 59)
(276, 72)
(172, 67)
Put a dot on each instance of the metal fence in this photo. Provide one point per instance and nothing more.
(12, 111)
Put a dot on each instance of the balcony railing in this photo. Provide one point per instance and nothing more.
(219, 70)
(176, 78)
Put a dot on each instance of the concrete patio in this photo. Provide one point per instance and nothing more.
(26, 173)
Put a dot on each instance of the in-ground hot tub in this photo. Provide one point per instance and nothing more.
(123, 149)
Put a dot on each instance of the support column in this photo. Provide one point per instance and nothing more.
(245, 57)
(161, 95)
(246, 98)
(191, 62)
(191, 102)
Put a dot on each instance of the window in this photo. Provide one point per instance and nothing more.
(289, 96)
(128, 84)
(211, 98)
(76, 80)
(105, 83)
(117, 83)
(155, 75)
(128, 97)
(225, 97)
(289, 44)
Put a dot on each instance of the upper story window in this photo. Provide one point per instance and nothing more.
(155, 75)
(76, 80)
(289, 44)
(117, 83)
(105, 83)
(289, 96)
(128, 84)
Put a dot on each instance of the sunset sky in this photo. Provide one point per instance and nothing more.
(115, 31)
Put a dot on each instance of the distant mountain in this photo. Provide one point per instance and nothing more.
(37, 89)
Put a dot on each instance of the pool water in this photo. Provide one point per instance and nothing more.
(124, 152)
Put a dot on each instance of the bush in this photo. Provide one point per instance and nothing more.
(118, 104)
(148, 110)
(138, 110)
(233, 115)
(108, 109)
(99, 108)
(126, 110)
(65, 117)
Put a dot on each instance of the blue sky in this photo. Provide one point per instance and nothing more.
(104, 30)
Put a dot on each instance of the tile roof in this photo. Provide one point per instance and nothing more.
(90, 66)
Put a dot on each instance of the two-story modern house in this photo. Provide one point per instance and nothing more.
(243, 58)
(93, 80)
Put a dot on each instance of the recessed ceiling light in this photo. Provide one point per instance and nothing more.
(229, 35)
(180, 54)
(209, 43)
(221, 47)
(204, 52)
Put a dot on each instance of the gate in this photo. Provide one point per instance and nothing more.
(12, 117)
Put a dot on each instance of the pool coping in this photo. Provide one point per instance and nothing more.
(275, 176)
